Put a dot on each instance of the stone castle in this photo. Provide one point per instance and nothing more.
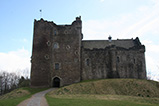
(60, 57)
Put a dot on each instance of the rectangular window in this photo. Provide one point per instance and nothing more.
(87, 62)
(118, 59)
(134, 61)
(57, 66)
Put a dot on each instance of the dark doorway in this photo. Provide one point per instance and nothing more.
(56, 82)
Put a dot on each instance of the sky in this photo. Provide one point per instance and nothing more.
(122, 19)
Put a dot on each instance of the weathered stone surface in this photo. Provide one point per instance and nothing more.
(115, 59)
(60, 57)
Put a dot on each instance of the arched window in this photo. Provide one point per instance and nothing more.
(56, 46)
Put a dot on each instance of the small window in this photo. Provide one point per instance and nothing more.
(134, 61)
(56, 46)
(118, 60)
(57, 66)
(68, 47)
(55, 32)
(46, 56)
(76, 53)
(48, 43)
(87, 62)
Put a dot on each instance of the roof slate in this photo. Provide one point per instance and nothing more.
(101, 44)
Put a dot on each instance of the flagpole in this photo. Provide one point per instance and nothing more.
(40, 13)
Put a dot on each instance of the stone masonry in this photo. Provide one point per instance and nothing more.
(60, 57)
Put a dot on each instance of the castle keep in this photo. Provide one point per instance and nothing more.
(60, 57)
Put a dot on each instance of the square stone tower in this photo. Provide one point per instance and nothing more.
(56, 54)
(60, 57)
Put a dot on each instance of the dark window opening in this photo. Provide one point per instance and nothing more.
(134, 61)
(57, 66)
(76, 52)
(48, 43)
(118, 60)
(67, 47)
(87, 62)
(46, 56)
(56, 82)
(55, 32)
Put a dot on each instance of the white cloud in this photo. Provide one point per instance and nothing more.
(152, 58)
(15, 61)
(102, 0)
(152, 67)
(145, 19)
(143, 23)
(155, 1)
(153, 48)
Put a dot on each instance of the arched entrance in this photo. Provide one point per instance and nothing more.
(56, 82)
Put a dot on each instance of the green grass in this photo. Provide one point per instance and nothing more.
(107, 92)
(131, 87)
(15, 97)
(34, 90)
(98, 100)
(13, 101)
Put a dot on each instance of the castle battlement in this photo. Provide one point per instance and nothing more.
(60, 57)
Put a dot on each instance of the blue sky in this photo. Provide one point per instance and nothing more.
(101, 18)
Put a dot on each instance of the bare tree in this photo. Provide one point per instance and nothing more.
(9, 81)
(0, 84)
(14, 80)
(5, 81)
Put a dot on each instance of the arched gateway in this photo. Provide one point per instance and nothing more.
(56, 82)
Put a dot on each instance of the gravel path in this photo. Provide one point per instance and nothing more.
(37, 99)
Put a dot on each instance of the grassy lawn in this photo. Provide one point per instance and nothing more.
(107, 92)
(100, 100)
(131, 87)
(15, 97)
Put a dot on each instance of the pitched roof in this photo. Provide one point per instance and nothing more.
(101, 44)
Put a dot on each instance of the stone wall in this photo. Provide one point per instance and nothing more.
(56, 53)
(95, 64)
(40, 67)
(131, 63)
(68, 53)
(60, 57)
(113, 62)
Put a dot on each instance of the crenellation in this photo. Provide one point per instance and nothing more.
(60, 57)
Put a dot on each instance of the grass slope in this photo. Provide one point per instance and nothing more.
(107, 92)
(131, 87)
(18, 95)
(65, 101)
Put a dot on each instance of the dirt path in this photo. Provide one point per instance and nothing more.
(37, 99)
